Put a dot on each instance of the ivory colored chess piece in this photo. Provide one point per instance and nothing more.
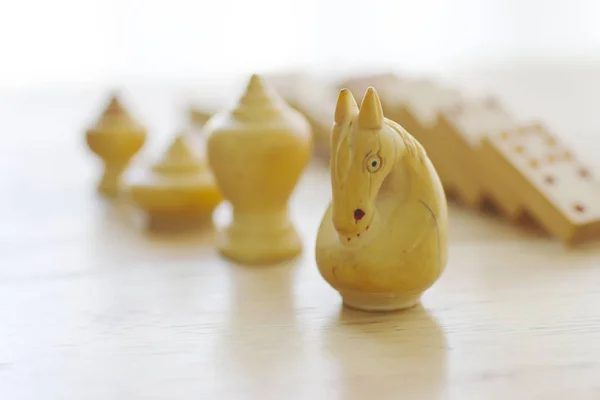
(257, 152)
(115, 138)
(178, 191)
(383, 239)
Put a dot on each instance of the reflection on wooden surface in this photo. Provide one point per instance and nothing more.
(395, 354)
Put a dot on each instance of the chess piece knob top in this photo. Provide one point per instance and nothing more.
(179, 158)
(116, 119)
(259, 102)
(260, 105)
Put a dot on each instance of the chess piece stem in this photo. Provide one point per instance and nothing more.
(110, 182)
(260, 237)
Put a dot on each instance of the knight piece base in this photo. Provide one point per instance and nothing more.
(379, 301)
(259, 246)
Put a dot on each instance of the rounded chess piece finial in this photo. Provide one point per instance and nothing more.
(178, 192)
(257, 152)
(116, 137)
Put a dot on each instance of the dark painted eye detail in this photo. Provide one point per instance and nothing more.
(373, 163)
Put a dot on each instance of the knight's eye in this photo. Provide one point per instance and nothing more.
(373, 163)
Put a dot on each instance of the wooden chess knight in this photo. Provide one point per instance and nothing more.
(383, 240)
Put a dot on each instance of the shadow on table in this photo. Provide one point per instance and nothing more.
(387, 355)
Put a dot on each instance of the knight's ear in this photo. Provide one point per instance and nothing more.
(346, 106)
(371, 112)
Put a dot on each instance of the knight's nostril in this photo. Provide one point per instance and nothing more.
(358, 214)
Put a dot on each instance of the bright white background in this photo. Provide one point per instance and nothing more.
(45, 42)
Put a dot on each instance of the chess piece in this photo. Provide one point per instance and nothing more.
(258, 151)
(383, 239)
(179, 191)
(115, 138)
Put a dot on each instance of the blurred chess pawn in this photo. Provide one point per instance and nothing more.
(115, 138)
(178, 192)
(257, 152)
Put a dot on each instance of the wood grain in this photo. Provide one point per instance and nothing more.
(93, 307)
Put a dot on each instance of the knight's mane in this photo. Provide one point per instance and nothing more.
(413, 147)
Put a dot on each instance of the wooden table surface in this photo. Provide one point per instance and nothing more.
(93, 307)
